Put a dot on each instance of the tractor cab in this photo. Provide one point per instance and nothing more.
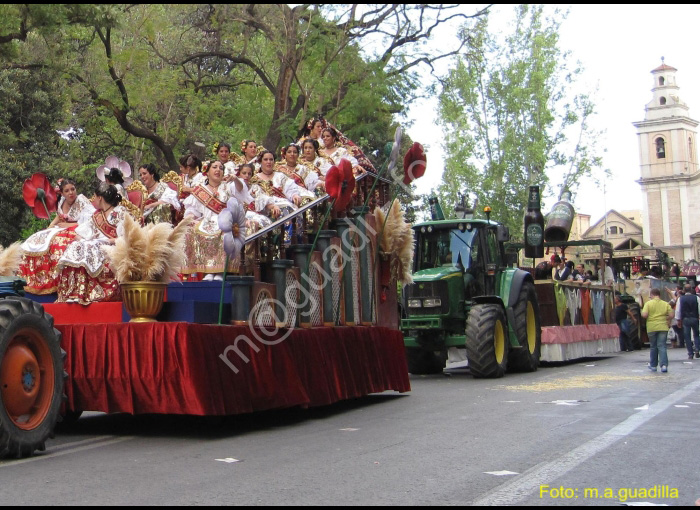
(464, 295)
(473, 248)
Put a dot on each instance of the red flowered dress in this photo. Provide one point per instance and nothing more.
(41, 251)
(84, 275)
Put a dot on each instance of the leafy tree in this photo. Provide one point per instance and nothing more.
(307, 58)
(508, 114)
(30, 113)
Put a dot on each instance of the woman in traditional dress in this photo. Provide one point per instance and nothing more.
(224, 154)
(249, 149)
(256, 219)
(115, 177)
(191, 174)
(161, 202)
(306, 178)
(84, 275)
(312, 130)
(204, 248)
(336, 151)
(270, 187)
(42, 249)
(313, 161)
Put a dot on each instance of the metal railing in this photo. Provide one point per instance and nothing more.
(302, 209)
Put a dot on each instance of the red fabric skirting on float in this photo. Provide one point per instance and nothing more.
(179, 368)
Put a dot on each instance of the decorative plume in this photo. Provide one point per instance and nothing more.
(150, 253)
(126, 254)
(380, 217)
(10, 258)
(176, 259)
(157, 252)
(396, 238)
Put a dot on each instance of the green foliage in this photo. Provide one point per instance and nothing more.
(509, 118)
(145, 82)
(30, 112)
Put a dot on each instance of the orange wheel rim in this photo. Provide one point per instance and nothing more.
(27, 379)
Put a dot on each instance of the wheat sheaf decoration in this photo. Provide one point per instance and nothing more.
(10, 258)
(396, 239)
(154, 253)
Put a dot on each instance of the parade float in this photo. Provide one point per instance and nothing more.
(308, 319)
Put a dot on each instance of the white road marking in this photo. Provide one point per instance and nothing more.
(522, 487)
(500, 473)
(228, 460)
(77, 446)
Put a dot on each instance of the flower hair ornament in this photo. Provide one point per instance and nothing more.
(215, 150)
(115, 162)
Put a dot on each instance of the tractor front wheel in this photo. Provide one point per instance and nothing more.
(487, 341)
(31, 377)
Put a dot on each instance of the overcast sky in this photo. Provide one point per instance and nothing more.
(618, 46)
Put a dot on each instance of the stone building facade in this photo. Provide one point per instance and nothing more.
(670, 178)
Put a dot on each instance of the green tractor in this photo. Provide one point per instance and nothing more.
(31, 372)
(465, 295)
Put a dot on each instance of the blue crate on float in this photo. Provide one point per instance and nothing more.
(41, 298)
(197, 312)
(203, 292)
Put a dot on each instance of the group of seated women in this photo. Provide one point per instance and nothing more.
(67, 258)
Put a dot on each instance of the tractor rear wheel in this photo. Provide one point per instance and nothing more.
(528, 331)
(424, 362)
(31, 377)
(487, 341)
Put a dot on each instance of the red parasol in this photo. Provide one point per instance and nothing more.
(340, 184)
(39, 195)
(414, 163)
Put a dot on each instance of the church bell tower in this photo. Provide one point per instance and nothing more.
(670, 179)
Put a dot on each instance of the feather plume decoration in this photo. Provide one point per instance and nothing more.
(157, 252)
(176, 258)
(154, 253)
(393, 226)
(396, 238)
(380, 216)
(126, 254)
(10, 258)
(405, 249)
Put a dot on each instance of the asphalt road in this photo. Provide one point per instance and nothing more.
(559, 433)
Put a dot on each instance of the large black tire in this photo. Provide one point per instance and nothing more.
(423, 362)
(528, 331)
(31, 377)
(487, 341)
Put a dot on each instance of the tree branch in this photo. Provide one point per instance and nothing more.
(235, 60)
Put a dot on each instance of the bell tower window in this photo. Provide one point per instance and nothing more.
(690, 149)
(662, 100)
(661, 81)
(660, 148)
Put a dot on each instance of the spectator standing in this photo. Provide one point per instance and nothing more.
(687, 316)
(658, 314)
(624, 320)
